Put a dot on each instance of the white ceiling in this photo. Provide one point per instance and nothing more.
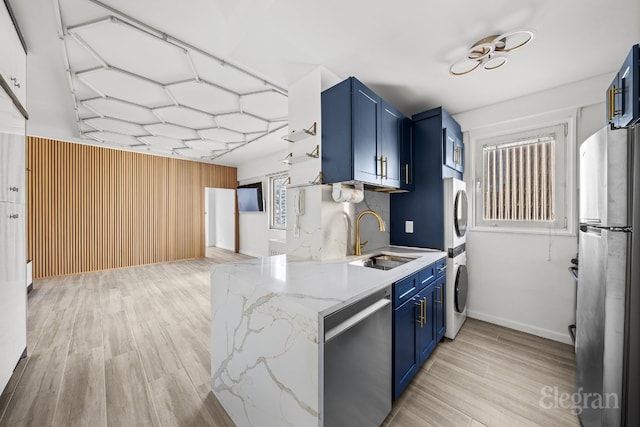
(401, 49)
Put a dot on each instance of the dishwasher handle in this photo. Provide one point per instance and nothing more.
(355, 319)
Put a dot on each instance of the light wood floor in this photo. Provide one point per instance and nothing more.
(130, 347)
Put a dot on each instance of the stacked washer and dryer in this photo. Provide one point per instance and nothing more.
(455, 229)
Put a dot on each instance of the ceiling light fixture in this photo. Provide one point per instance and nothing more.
(490, 52)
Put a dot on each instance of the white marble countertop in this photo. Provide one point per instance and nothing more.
(323, 287)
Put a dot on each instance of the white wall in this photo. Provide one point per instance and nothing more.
(254, 226)
(521, 280)
(220, 218)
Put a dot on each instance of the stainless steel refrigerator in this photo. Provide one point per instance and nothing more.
(608, 302)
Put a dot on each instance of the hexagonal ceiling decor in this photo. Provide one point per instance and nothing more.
(270, 104)
(207, 145)
(222, 135)
(137, 87)
(115, 108)
(119, 84)
(117, 126)
(185, 116)
(162, 142)
(205, 97)
(114, 138)
(171, 131)
(243, 123)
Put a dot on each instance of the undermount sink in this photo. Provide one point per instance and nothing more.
(383, 262)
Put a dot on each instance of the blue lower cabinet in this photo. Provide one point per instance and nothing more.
(418, 322)
(439, 295)
(426, 327)
(405, 349)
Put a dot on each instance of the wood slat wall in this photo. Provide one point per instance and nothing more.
(92, 208)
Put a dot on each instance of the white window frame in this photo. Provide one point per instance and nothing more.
(565, 187)
(272, 201)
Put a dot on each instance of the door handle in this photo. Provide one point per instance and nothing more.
(406, 173)
(386, 168)
(16, 189)
(381, 167)
(14, 216)
(355, 319)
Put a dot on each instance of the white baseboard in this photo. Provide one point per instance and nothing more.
(533, 330)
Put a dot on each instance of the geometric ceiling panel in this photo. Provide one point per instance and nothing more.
(206, 145)
(118, 84)
(126, 47)
(171, 131)
(242, 123)
(118, 126)
(278, 125)
(162, 142)
(194, 154)
(113, 138)
(185, 117)
(205, 97)
(133, 85)
(225, 75)
(271, 104)
(221, 135)
(80, 57)
(121, 110)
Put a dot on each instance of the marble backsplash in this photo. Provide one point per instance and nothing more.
(326, 229)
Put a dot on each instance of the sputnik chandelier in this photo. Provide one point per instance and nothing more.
(490, 52)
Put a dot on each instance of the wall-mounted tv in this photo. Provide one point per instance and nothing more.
(250, 197)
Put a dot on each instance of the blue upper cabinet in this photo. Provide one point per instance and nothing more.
(406, 157)
(438, 152)
(623, 95)
(361, 136)
(390, 144)
(366, 134)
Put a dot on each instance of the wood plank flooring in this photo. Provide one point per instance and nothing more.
(130, 347)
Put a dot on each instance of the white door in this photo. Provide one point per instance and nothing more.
(13, 294)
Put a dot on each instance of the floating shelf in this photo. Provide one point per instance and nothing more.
(290, 159)
(299, 135)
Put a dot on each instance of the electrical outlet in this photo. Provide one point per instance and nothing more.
(408, 226)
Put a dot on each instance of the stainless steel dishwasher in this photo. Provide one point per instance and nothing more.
(357, 363)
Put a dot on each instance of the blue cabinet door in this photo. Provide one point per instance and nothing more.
(623, 94)
(628, 77)
(439, 306)
(426, 338)
(366, 132)
(406, 157)
(405, 350)
(448, 147)
(390, 143)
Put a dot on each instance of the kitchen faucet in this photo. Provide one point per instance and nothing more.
(359, 245)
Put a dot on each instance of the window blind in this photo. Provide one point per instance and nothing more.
(519, 180)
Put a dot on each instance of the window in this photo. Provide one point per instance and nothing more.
(278, 211)
(521, 179)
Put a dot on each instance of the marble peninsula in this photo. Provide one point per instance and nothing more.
(267, 319)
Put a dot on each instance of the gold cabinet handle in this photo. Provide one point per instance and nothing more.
(406, 173)
(420, 318)
(424, 304)
(440, 295)
(611, 100)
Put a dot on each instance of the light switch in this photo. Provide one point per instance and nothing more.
(408, 226)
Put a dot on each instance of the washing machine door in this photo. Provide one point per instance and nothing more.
(461, 288)
(460, 214)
